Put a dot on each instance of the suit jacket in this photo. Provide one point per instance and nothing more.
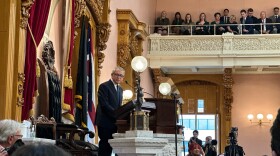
(109, 100)
(250, 28)
(268, 24)
(274, 19)
(222, 19)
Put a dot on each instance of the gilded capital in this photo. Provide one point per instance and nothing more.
(80, 6)
(103, 32)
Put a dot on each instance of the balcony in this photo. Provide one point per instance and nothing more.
(256, 53)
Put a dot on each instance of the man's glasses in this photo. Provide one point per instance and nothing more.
(119, 75)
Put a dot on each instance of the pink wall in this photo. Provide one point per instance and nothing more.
(254, 94)
(195, 7)
(143, 9)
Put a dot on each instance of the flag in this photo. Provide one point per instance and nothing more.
(91, 87)
(82, 84)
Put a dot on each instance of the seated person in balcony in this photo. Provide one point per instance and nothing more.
(247, 27)
(216, 28)
(275, 136)
(202, 26)
(225, 18)
(250, 12)
(10, 132)
(164, 21)
(232, 27)
(275, 19)
(177, 21)
(188, 30)
(265, 24)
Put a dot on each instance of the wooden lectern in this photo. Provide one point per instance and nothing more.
(161, 119)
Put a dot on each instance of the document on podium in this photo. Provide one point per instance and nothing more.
(149, 105)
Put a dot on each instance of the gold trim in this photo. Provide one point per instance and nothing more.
(20, 99)
(69, 117)
(25, 7)
(65, 106)
(78, 97)
(79, 106)
(84, 125)
(131, 34)
(228, 98)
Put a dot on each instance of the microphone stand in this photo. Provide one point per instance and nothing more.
(183, 128)
(175, 103)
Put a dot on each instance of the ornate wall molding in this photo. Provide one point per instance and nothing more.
(80, 6)
(20, 99)
(228, 98)
(25, 7)
(94, 10)
(130, 37)
(218, 45)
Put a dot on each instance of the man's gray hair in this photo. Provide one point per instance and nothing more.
(8, 128)
(118, 68)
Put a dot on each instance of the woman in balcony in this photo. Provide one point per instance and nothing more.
(202, 26)
(177, 21)
(162, 23)
(189, 28)
(232, 27)
(216, 26)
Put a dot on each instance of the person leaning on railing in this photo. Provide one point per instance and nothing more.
(202, 26)
(189, 27)
(264, 25)
(177, 21)
(232, 27)
(164, 21)
(247, 27)
(217, 25)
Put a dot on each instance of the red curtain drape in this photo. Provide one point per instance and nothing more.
(68, 94)
(37, 22)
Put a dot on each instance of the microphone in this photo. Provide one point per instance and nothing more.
(133, 88)
(128, 84)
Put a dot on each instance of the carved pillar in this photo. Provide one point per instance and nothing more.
(228, 99)
(131, 34)
(103, 33)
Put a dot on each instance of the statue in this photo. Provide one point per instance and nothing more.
(48, 56)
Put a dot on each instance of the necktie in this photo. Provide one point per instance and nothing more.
(225, 20)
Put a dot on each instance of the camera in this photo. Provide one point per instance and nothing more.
(233, 135)
(233, 149)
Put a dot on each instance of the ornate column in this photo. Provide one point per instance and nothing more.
(131, 34)
(228, 99)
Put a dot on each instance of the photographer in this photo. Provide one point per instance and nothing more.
(275, 136)
(233, 149)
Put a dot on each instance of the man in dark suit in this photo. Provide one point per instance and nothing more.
(247, 28)
(109, 99)
(275, 135)
(265, 24)
(194, 138)
(275, 19)
(225, 17)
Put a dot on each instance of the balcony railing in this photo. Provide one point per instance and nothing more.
(177, 53)
(211, 29)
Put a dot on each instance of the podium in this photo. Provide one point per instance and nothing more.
(162, 117)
